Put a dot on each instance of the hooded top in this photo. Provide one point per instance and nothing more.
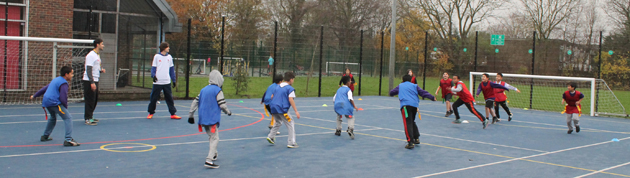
(210, 101)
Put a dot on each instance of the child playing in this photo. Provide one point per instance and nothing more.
(348, 73)
(488, 88)
(56, 102)
(447, 95)
(279, 107)
(501, 98)
(343, 102)
(465, 98)
(573, 98)
(210, 103)
(268, 95)
(408, 95)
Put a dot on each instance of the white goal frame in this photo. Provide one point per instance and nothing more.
(345, 63)
(592, 80)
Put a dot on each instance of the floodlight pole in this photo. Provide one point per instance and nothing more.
(392, 48)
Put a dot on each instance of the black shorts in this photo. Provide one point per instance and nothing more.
(448, 97)
(489, 103)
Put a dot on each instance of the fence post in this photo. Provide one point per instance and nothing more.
(426, 52)
(321, 52)
(531, 84)
(380, 78)
(599, 71)
(6, 28)
(360, 62)
(89, 23)
(275, 46)
(476, 49)
(222, 39)
(188, 61)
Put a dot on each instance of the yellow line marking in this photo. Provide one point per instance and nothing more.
(153, 147)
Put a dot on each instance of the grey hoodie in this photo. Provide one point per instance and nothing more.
(215, 78)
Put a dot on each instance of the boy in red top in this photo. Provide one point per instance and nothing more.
(501, 98)
(573, 99)
(488, 94)
(465, 98)
(445, 85)
(351, 84)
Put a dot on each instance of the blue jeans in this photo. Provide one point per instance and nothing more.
(52, 121)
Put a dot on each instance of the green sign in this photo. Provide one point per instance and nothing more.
(407, 48)
(569, 52)
(610, 52)
(497, 40)
(434, 49)
(465, 49)
(496, 50)
(531, 51)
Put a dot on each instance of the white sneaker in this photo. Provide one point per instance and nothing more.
(293, 146)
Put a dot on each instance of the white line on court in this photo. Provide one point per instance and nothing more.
(167, 144)
(606, 169)
(515, 159)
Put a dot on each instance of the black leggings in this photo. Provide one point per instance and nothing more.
(411, 129)
(469, 105)
(503, 105)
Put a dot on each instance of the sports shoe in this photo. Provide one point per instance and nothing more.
(569, 132)
(494, 120)
(150, 116)
(278, 133)
(70, 143)
(409, 145)
(211, 165)
(351, 133)
(175, 117)
(510, 118)
(448, 113)
(90, 122)
(293, 146)
(271, 140)
(416, 141)
(338, 133)
(485, 123)
(45, 138)
(215, 156)
(457, 121)
(577, 129)
(95, 120)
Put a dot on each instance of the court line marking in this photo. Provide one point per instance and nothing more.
(602, 170)
(167, 144)
(526, 158)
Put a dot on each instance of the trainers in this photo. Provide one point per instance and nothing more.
(70, 143)
(569, 132)
(510, 118)
(45, 138)
(577, 129)
(95, 120)
(215, 156)
(271, 140)
(338, 133)
(90, 122)
(485, 123)
(416, 141)
(211, 165)
(351, 133)
(175, 117)
(447, 114)
(409, 145)
(150, 116)
(293, 146)
(457, 121)
(494, 120)
(278, 133)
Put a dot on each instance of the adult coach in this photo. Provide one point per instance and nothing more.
(91, 75)
(162, 72)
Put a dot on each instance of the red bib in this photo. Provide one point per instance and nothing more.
(499, 94)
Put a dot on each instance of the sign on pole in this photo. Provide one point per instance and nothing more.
(497, 40)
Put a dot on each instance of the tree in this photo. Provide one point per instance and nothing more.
(546, 15)
(206, 20)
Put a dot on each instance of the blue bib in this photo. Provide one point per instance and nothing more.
(269, 92)
(280, 102)
(342, 103)
(408, 94)
(209, 110)
(51, 97)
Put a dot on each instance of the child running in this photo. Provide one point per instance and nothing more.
(465, 98)
(447, 95)
(268, 95)
(408, 95)
(56, 102)
(573, 98)
(344, 106)
(210, 102)
(501, 98)
(488, 88)
(348, 73)
(282, 99)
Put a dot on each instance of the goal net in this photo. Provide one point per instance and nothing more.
(339, 68)
(28, 63)
(545, 93)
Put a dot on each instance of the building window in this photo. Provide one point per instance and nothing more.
(14, 27)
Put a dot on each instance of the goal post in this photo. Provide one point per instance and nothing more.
(30, 63)
(552, 87)
(340, 68)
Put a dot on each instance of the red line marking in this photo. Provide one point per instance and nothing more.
(262, 116)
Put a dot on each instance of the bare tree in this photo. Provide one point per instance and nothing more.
(546, 15)
(619, 11)
(513, 26)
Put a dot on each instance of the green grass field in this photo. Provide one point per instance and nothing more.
(258, 85)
